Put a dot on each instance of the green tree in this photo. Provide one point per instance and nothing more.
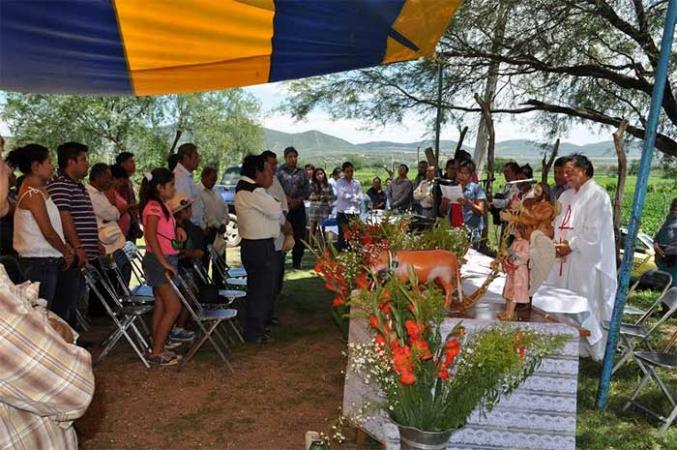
(588, 61)
(223, 124)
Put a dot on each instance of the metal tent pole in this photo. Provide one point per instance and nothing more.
(638, 202)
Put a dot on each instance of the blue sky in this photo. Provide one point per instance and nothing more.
(271, 95)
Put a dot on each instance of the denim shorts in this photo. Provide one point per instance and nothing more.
(154, 272)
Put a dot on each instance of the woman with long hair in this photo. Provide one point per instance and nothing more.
(321, 197)
(38, 233)
(162, 255)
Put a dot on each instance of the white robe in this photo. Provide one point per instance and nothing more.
(586, 222)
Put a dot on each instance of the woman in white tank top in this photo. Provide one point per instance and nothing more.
(38, 232)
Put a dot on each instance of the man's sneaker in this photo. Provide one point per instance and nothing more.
(181, 335)
(171, 345)
(165, 358)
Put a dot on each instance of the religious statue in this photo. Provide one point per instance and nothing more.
(515, 265)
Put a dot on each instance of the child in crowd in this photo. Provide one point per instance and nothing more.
(162, 254)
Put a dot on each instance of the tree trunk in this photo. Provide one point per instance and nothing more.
(461, 138)
(492, 81)
(547, 165)
(620, 186)
(489, 121)
(176, 141)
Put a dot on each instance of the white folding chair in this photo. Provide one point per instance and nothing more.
(637, 334)
(207, 321)
(229, 294)
(651, 361)
(124, 317)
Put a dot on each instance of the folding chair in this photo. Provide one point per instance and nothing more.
(651, 361)
(142, 290)
(658, 279)
(124, 317)
(229, 294)
(220, 264)
(207, 320)
(633, 335)
(113, 275)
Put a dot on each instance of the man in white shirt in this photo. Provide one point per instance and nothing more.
(189, 159)
(277, 192)
(215, 215)
(110, 234)
(349, 197)
(423, 193)
(586, 252)
(260, 218)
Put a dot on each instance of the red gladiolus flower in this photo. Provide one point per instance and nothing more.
(385, 294)
(362, 282)
(422, 346)
(385, 308)
(380, 340)
(338, 301)
(443, 373)
(407, 378)
(373, 321)
(414, 329)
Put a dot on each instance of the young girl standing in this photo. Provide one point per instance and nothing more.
(516, 267)
(162, 255)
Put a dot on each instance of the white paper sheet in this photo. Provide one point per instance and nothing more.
(453, 193)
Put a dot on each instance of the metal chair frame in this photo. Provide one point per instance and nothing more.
(222, 266)
(207, 321)
(635, 335)
(631, 310)
(124, 317)
(651, 360)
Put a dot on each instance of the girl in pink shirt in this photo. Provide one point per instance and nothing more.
(162, 254)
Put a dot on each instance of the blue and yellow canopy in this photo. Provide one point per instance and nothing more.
(151, 47)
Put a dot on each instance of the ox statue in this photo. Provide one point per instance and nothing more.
(440, 266)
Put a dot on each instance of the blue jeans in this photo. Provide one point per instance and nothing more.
(44, 271)
(61, 288)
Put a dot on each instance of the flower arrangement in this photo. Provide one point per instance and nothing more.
(343, 272)
(434, 382)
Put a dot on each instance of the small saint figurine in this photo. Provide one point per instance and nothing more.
(515, 265)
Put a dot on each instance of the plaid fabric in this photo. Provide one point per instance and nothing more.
(45, 383)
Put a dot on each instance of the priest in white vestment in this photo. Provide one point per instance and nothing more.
(586, 257)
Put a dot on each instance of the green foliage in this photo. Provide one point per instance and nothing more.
(603, 74)
(223, 124)
(443, 389)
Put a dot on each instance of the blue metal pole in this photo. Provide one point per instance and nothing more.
(638, 202)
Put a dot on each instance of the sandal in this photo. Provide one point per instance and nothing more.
(506, 317)
(165, 358)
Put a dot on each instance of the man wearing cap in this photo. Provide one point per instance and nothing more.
(260, 218)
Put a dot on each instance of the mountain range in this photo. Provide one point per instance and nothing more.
(315, 142)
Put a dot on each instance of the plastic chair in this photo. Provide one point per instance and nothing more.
(124, 317)
(651, 361)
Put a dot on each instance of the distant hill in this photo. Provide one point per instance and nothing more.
(313, 142)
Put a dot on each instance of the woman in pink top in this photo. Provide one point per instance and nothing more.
(162, 254)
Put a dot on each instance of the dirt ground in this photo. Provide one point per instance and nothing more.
(278, 392)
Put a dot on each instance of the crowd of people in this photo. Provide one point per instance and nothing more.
(59, 224)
